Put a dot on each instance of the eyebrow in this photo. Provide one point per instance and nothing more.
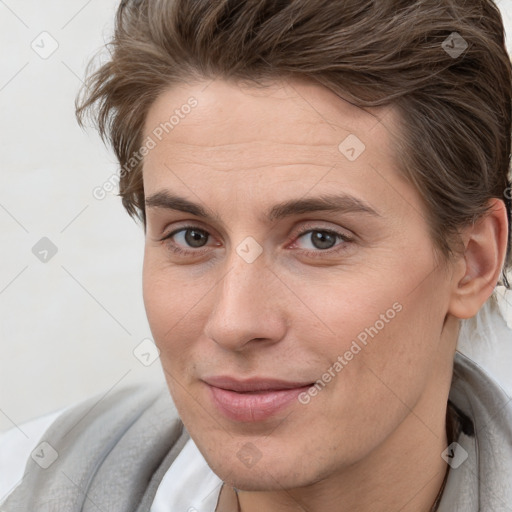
(339, 203)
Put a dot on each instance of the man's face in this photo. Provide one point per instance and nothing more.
(269, 286)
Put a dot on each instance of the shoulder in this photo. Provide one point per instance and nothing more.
(481, 459)
(17, 445)
(484, 401)
(94, 435)
(109, 415)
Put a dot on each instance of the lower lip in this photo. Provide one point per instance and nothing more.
(251, 407)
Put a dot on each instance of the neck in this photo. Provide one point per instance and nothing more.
(404, 473)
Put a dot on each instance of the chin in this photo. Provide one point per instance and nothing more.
(272, 474)
(262, 481)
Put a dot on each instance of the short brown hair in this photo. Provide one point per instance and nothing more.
(454, 101)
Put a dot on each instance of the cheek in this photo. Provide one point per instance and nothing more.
(374, 373)
(177, 305)
(382, 331)
(169, 310)
(169, 302)
(337, 308)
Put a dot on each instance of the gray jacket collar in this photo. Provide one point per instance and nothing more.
(483, 480)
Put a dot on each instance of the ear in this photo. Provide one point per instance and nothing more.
(477, 270)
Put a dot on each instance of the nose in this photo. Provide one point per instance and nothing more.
(248, 307)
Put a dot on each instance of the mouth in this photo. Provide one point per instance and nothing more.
(253, 400)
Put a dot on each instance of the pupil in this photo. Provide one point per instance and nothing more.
(195, 238)
(323, 240)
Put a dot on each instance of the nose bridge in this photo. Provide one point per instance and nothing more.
(245, 304)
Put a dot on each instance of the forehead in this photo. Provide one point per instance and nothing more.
(222, 143)
(267, 124)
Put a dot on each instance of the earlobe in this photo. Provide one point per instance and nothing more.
(479, 268)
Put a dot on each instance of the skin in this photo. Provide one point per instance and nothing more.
(372, 438)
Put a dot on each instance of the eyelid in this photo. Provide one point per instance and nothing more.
(316, 226)
(312, 226)
(187, 224)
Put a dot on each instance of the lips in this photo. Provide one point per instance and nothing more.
(253, 384)
(255, 399)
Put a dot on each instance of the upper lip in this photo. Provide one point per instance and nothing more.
(252, 384)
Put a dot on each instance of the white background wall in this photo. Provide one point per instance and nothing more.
(68, 326)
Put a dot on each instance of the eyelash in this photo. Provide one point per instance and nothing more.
(318, 253)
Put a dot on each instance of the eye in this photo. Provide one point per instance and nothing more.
(192, 240)
(322, 240)
(186, 240)
(193, 237)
